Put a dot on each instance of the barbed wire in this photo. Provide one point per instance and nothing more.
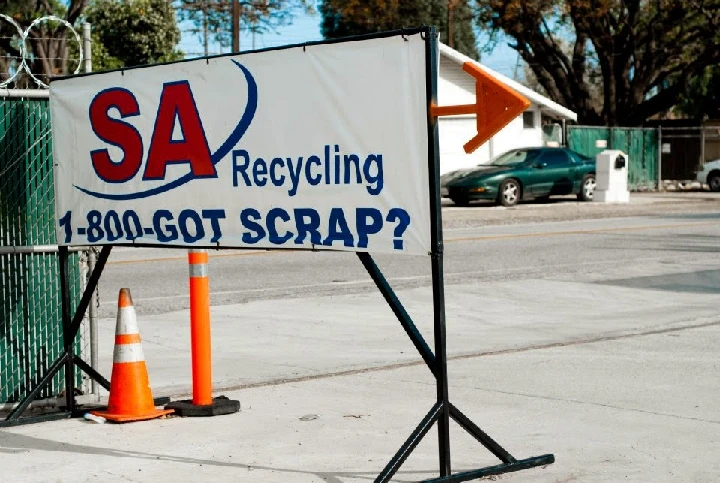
(34, 38)
(22, 46)
(45, 58)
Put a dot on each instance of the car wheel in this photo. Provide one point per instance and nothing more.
(587, 188)
(509, 193)
(462, 201)
(714, 181)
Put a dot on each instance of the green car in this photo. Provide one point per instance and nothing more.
(521, 174)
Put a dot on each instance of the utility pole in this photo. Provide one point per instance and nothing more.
(206, 39)
(450, 7)
(208, 6)
(236, 25)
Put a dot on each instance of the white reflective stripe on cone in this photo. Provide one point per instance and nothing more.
(126, 321)
(128, 353)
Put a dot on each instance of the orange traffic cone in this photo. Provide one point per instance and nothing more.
(130, 395)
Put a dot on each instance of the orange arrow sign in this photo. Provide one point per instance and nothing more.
(495, 106)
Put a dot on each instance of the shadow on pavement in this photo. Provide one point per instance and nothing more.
(681, 242)
(704, 282)
(11, 443)
(559, 200)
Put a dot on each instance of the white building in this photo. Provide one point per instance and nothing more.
(455, 86)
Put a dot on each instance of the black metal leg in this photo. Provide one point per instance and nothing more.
(441, 365)
(436, 252)
(91, 372)
(480, 435)
(71, 326)
(30, 397)
(442, 411)
(496, 470)
(405, 320)
(89, 289)
(68, 339)
(409, 445)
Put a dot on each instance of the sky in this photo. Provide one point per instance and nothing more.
(306, 28)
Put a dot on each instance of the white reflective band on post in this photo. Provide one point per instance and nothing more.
(198, 270)
(126, 321)
(128, 353)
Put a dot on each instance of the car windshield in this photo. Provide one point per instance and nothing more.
(513, 157)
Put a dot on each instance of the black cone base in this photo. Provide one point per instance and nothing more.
(220, 405)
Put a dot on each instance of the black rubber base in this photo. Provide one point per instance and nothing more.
(220, 405)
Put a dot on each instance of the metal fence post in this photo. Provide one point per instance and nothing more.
(702, 146)
(659, 167)
(87, 47)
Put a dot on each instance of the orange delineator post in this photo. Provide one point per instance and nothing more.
(202, 403)
(200, 328)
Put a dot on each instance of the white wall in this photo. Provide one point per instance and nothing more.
(515, 136)
(455, 86)
(454, 133)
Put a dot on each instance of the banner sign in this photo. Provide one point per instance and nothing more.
(323, 146)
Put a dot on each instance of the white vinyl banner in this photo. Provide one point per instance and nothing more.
(316, 147)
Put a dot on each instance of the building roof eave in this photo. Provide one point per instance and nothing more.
(545, 103)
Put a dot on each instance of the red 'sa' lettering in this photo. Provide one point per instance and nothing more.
(177, 101)
(116, 132)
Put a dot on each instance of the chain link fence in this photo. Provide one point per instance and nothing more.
(30, 303)
(685, 149)
(640, 144)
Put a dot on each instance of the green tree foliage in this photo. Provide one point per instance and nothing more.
(702, 98)
(133, 32)
(646, 53)
(212, 19)
(453, 19)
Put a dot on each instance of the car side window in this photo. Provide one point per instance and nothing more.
(580, 158)
(555, 159)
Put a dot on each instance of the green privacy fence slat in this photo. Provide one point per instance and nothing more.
(30, 312)
(640, 144)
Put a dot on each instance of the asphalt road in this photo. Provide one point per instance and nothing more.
(672, 244)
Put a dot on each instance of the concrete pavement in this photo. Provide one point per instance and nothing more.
(626, 391)
(639, 408)
(277, 340)
(615, 375)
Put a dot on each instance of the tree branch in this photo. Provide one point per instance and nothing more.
(6, 45)
(76, 9)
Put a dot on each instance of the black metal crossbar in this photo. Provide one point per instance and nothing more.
(68, 359)
(496, 470)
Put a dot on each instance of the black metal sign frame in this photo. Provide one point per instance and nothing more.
(441, 412)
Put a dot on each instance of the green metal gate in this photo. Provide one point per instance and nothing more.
(30, 313)
(640, 144)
